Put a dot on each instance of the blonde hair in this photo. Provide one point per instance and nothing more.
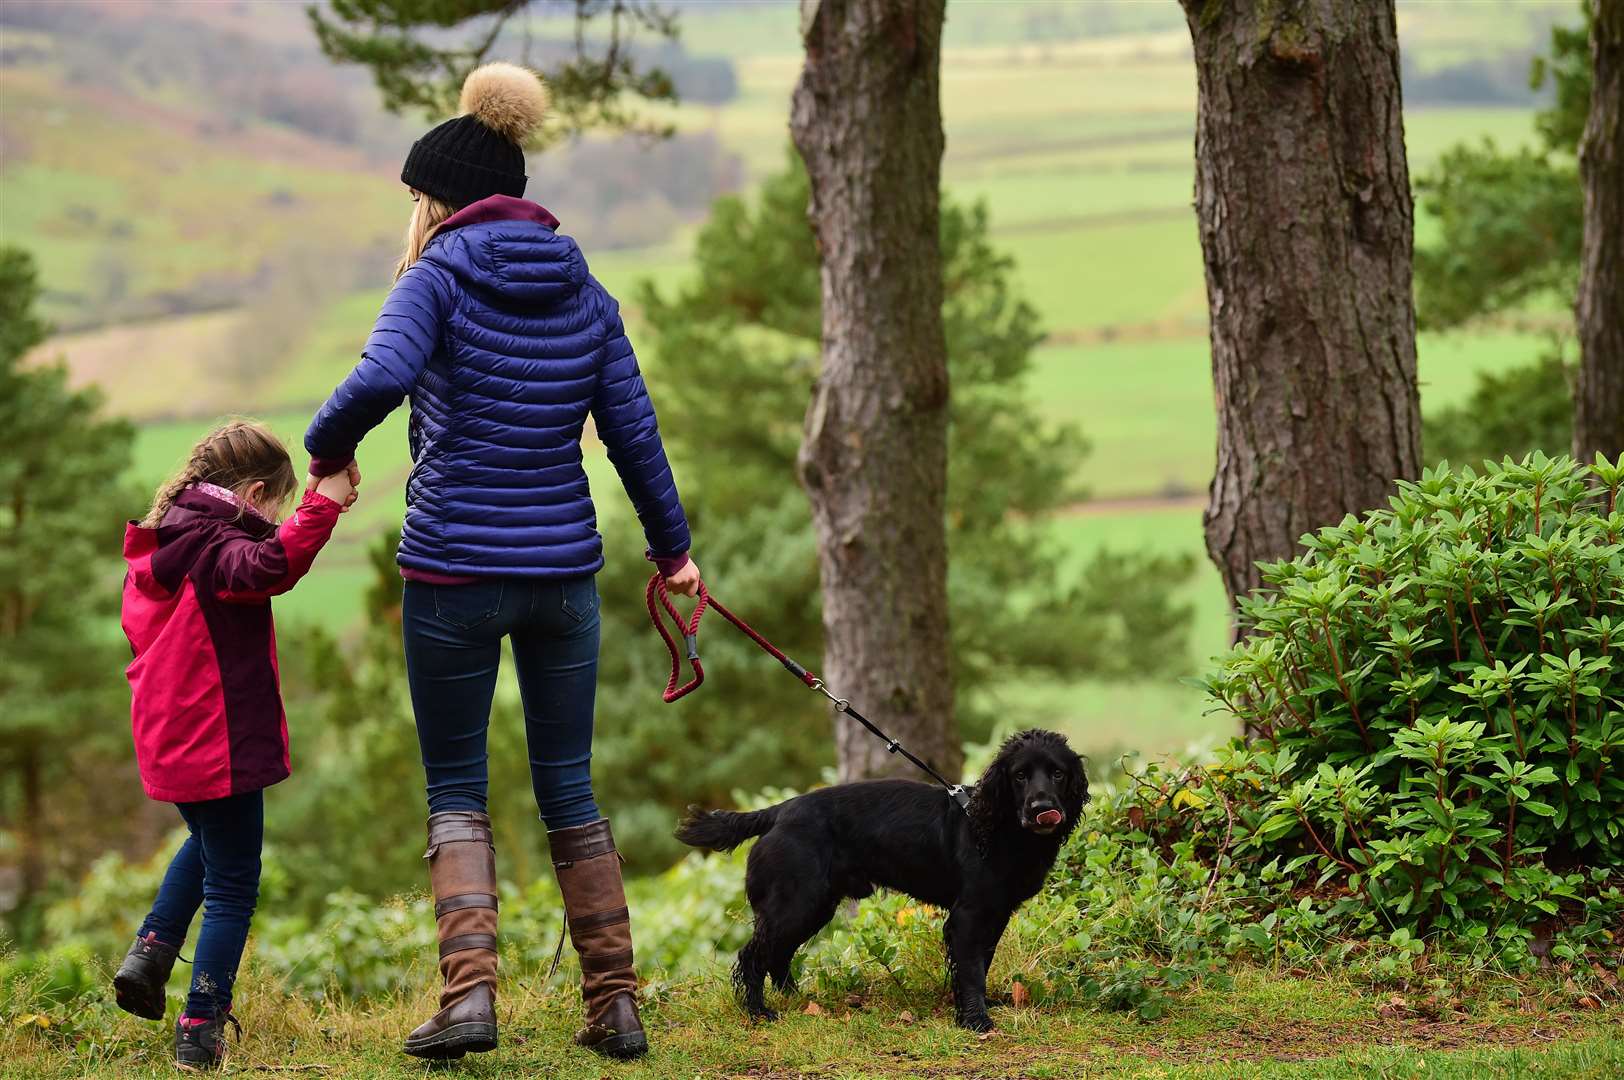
(428, 214)
(234, 456)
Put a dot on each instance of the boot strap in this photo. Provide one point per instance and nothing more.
(580, 850)
(601, 962)
(463, 942)
(599, 919)
(462, 901)
(467, 836)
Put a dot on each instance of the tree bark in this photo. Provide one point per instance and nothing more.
(866, 118)
(31, 856)
(1303, 201)
(1598, 402)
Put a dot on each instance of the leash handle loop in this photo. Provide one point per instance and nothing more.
(657, 596)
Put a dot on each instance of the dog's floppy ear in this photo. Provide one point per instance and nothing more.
(1075, 792)
(992, 799)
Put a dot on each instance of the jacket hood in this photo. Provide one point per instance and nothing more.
(508, 251)
(140, 541)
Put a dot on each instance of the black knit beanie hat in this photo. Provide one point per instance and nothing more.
(478, 154)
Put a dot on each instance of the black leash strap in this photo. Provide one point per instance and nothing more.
(892, 746)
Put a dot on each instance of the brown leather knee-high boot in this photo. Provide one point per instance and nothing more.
(462, 872)
(588, 869)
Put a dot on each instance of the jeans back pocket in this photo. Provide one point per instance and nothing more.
(467, 606)
(579, 597)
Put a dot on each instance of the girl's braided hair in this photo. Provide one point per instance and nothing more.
(233, 456)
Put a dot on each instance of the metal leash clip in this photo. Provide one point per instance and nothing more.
(841, 704)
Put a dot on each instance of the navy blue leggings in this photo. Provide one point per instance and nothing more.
(453, 636)
(217, 868)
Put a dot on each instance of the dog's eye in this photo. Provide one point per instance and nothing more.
(1020, 777)
(1057, 774)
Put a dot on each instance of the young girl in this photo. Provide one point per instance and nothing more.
(210, 733)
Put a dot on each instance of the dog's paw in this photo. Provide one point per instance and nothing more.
(979, 1022)
(764, 1014)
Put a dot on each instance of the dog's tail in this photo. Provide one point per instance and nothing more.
(723, 830)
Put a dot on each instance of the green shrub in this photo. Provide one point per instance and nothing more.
(1438, 697)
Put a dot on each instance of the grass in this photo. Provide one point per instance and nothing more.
(1265, 1025)
(1147, 408)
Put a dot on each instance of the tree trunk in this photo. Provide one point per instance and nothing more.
(1303, 201)
(31, 825)
(866, 118)
(1598, 403)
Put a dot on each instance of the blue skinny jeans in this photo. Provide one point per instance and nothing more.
(217, 868)
(453, 637)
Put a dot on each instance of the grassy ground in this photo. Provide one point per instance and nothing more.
(1264, 1026)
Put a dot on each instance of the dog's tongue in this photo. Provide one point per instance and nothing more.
(1050, 817)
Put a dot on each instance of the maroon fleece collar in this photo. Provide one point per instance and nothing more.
(499, 208)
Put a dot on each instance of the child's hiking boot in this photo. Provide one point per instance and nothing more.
(462, 872)
(200, 1042)
(139, 983)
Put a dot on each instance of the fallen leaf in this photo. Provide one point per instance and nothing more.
(1019, 995)
(1588, 1002)
(905, 1016)
(813, 1009)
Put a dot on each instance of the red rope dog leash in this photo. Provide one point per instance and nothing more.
(659, 596)
(689, 629)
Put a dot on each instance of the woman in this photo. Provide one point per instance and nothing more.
(505, 345)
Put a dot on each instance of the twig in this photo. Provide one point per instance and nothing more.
(1218, 861)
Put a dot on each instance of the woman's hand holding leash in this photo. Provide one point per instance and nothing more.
(685, 582)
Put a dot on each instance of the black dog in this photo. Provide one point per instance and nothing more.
(850, 839)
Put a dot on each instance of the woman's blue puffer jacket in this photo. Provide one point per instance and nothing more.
(505, 343)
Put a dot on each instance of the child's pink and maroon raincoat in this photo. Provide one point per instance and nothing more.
(206, 700)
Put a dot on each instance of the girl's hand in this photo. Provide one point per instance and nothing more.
(352, 471)
(338, 488)
(685, 582)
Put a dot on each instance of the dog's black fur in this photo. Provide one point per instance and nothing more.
(848, 840)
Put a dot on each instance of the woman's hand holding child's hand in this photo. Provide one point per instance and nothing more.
(338, 488)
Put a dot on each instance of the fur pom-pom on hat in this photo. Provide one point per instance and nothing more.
(510, 100)
(479, 153)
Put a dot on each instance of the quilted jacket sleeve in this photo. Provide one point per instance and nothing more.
(402, 340)
(624, 416)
